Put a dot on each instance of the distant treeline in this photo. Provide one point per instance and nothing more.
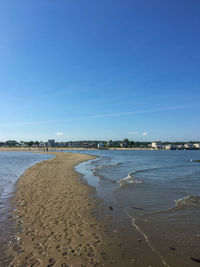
(88, 143)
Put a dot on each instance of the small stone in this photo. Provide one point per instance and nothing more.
(110, 207)
(195, 259)
(64, 253)
(51, 262)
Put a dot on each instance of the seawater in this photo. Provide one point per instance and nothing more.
(12, 165)
(158, 192)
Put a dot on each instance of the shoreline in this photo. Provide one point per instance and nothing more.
(55, 218)
(61, 222)
(52, 149)
(11, 171)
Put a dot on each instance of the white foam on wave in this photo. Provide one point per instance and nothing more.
(188, 201)
(107, 166)
(130, 179)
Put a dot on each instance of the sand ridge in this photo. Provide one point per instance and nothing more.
(54, 212)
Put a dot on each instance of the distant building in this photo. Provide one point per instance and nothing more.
(93, 145)
(42, 144)
(157, 144)
(180, 147)
(17, 145)
(100, 145)
(197, 145)
(85, 145)
(51, 142)
(74, 144)
(69, 144)
(170, 147)
(189, 146)
(110, 143)
(123, 144)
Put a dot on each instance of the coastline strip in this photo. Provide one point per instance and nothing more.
(54, 215)
(56, 224)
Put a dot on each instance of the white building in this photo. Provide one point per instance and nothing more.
(100, 145)
(188, 146)
(156, 144)
(197, 145)
(42, 144)
(170, 147)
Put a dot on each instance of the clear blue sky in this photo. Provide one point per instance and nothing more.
(109, 69)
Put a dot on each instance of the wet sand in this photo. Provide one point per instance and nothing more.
(57, 226)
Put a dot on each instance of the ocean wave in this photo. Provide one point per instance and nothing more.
(100, 167)
(130, 179)
(188, 201)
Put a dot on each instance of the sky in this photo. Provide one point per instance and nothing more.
(100, 70)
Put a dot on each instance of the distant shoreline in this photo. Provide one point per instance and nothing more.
(68, 148)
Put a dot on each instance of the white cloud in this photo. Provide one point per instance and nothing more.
(133, 133)
(59, 133)
(144, 134)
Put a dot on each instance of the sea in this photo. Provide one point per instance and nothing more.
(155, 192)
(12, 166)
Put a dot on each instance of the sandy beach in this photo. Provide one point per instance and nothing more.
(54, 211)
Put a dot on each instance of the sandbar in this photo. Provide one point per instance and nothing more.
(54, 218)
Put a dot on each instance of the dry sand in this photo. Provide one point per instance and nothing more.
(54, 211)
